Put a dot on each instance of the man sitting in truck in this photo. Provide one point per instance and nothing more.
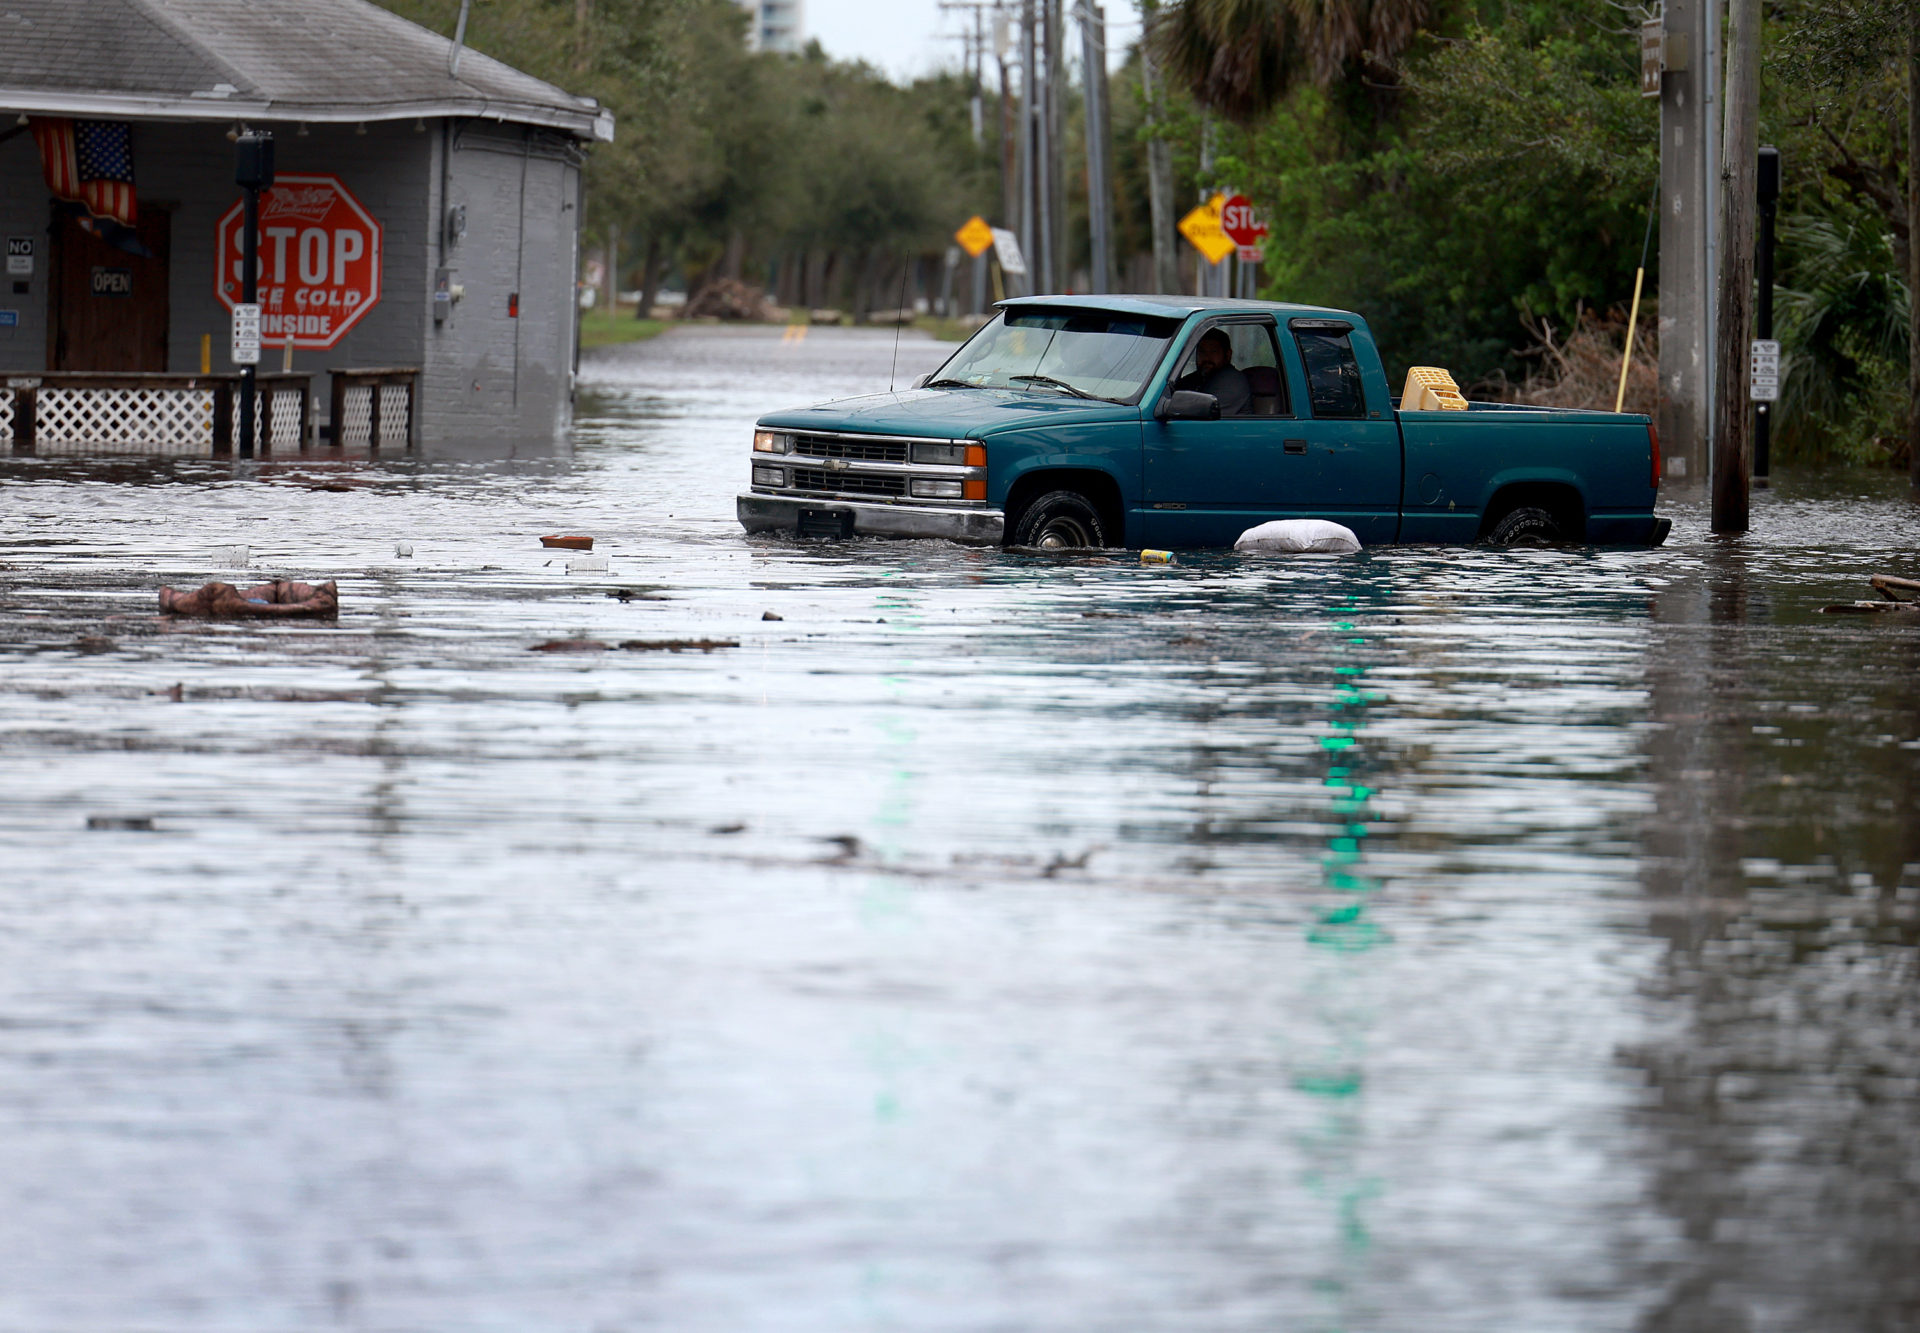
(1214, 373)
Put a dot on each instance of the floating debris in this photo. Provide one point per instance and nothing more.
(677, 645)
(568, 543)
(280, 599)
(570, 646)
(121, 823)
(772, 615)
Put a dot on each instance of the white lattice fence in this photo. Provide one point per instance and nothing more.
(355, 426)
(276, 421)
(6, 419)
(174, 422)
(394, 399)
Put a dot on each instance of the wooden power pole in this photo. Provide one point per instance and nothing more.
(1733, 416)
(1913, 244)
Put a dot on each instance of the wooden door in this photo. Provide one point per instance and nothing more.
(107, 309)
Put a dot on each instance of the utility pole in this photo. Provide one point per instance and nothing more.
(1056, 89)
(1029, 211)
(1732, 440)
(976, 51)
(1687, 129)
(1166, 262)
(1093, 46)
(1913, 245)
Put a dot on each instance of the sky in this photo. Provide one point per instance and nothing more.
(907, 38)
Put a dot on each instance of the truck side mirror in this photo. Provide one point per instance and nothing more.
(1188, 405)
(921, 383)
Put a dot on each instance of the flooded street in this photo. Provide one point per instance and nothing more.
(1431, 939)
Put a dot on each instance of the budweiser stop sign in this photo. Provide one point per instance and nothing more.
(319, 261)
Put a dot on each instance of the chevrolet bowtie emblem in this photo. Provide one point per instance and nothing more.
(836, 465)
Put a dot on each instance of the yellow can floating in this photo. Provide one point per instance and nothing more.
(1156, 557)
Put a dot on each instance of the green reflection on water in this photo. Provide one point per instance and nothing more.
(1344, 932)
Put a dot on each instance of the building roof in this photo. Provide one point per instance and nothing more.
(1170, 307)
(260, 60)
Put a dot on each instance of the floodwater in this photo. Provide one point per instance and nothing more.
(1426, 939)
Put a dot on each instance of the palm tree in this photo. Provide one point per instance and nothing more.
(1239, 57)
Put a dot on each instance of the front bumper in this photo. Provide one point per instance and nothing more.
(781, 513)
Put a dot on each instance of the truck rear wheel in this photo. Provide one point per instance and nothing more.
(1526, 526)
(1060, 521)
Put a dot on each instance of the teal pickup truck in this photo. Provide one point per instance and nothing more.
(1179, 422)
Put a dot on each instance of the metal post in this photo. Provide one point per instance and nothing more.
(1767, 189)
(253, 172)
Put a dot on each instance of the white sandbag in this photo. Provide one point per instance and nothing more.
(1299, 535)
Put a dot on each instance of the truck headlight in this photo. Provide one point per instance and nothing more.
(927, 488)
(951, 455)
(769, 476)
(771, 442)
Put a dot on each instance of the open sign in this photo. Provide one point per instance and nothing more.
(319, 261)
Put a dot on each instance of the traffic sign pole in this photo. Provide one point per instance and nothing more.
(1767, 187)
(252, 172)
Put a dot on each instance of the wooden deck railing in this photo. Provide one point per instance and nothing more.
(72, 412)
(375, 407)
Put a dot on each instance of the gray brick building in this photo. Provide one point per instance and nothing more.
(468, 169)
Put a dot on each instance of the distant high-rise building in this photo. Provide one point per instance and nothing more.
(776, 26)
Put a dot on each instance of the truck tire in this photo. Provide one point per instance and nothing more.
(1526, 526)
(1060, 521)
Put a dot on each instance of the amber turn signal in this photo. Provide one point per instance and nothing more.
(974, 490)
(976, 457)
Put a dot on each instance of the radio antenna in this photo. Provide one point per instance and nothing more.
(894, 369)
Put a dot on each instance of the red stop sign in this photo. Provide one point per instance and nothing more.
(319, 261)
(1239, 223)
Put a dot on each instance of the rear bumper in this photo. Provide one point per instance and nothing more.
(780, 513)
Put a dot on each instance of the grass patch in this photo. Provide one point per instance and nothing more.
(604, 328)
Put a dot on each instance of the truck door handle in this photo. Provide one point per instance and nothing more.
(1296, 446)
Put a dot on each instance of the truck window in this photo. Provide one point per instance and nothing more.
(1333, 375)
(1255, 355)
(1096, 352)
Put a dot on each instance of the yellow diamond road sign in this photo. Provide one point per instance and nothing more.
(1202, 228)
(975, 237)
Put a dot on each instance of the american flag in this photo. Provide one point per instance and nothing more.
(89, 162)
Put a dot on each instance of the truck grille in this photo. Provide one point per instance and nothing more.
(847, 483)
(876, 451)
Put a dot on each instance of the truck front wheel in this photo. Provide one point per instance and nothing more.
(1059, 521)
(1526, 526)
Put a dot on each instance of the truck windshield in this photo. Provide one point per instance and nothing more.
(1089, 352)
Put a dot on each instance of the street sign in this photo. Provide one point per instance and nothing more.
(976, 237)
(319, 261)
(1202, 230)
(1006, 248)
(246, 335)
(1764, 372)
(1238, 221)
(19, 256)
(1252, 254)
(1653, 55)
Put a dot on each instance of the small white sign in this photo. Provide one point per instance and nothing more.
(19, 256)
(246, 335)
(1006, 248)
(1763, 377)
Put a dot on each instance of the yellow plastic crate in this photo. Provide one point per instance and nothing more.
(1431, 389)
